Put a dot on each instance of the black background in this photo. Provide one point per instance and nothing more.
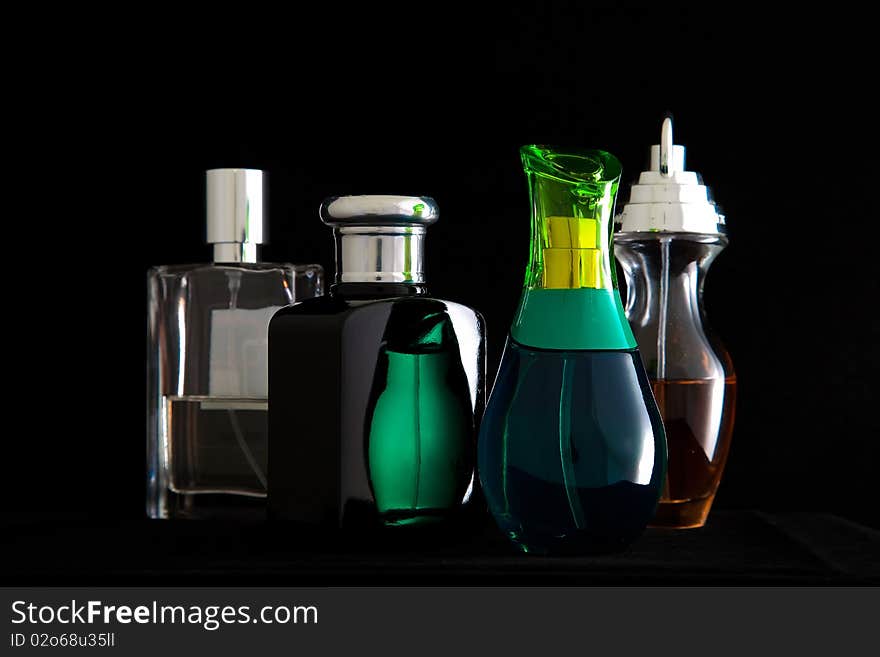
(116, 130)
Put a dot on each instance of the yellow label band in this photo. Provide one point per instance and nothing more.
(571, 258)
(572, 233)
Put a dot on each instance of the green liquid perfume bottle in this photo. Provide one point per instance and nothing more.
(572, 451)
(384, 434)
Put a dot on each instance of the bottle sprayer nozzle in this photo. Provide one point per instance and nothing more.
(668, 198)
(666, 158)
(236, 214)
(666, 145)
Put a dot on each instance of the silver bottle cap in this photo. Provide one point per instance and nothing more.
(668, 199)
(379, 238)
(236, 213)
(377, 210)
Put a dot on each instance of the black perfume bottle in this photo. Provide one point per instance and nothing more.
(384, 431)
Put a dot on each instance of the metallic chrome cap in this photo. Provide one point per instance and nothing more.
(379, 238)
(236, 220)
(375, 210)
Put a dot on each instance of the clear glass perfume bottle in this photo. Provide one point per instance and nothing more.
(386, 433)
(667, 237)
(572, 450)
(207, 387)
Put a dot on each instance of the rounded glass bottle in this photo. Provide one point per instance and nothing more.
(571, 452)
(690, 371)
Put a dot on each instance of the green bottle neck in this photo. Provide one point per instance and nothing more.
(570, 299)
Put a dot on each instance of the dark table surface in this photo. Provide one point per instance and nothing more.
(736, 547)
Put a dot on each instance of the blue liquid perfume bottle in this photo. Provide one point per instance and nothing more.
(572, 451)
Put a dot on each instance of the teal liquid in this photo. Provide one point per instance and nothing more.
(420, 435)
(572, 319)
(572, 451)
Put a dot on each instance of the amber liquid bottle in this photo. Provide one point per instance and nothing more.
(668, 236)
(698, 415)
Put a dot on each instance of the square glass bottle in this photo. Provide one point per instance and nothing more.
(386, 432)
(207, 380)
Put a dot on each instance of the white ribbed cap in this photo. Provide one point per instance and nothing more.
(667, 198)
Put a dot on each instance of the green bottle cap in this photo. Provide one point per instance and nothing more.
(570, 299)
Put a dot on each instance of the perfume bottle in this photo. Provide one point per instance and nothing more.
(385, 435)
(667, 237)
(571, 451)
(207, 385)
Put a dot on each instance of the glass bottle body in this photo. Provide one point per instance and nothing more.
(568, 456)
(388, 435)
(207, 435)
(690, 370)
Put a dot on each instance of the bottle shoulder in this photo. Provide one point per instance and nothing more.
(320, 305)
(682, 236)
(334, 304)
(244, 267)
(429, 302)
(464, 309)
(633, 249)
(206, 288)
(403, 324)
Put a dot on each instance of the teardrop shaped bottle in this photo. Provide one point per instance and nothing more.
(572, 451)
